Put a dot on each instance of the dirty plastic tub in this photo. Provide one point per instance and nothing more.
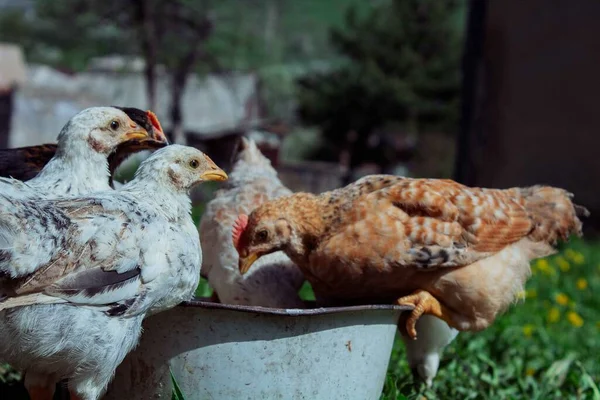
(222, 352)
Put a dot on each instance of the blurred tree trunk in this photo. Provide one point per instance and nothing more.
(6, 109)
(195, 32)
(179, 79)
(149, 41)
(347, 158)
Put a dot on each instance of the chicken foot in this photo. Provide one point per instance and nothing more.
(423, 303)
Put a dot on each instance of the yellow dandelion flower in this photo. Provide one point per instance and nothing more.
(579, 259)
(530, 372)
(549, 271)
(563, 264)
(582, 284)
(575, 319)
(521, 295)
(528, 330)
(562, 299)
(531, 293)
(542, 264)
(553, 315)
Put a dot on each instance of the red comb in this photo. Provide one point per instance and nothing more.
(239, 226)
(154, 121)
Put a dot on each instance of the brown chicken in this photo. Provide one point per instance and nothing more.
(461, 254)
(24, 163)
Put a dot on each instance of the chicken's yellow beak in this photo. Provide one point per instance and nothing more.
(246, 262)
(214, 175)
(135, 132)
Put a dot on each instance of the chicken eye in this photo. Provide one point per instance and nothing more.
(194, 163)
(262, 236)
(114, 125)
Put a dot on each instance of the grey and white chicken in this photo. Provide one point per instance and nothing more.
(424, 353)
(84, 271)
(79, 165)
(274, 280)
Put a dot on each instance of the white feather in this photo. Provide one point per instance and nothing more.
(30, 299)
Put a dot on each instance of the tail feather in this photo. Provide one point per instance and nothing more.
(553, 212)
(581, 211)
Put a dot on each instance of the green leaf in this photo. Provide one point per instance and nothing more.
(177, 394)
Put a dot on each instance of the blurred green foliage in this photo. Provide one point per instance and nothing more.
(66, 34)
(402, 68)
(245, 34)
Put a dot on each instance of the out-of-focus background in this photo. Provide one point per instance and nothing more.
(490, 93)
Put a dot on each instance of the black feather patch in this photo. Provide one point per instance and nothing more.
(5, 257)
(94, 281)
(24, 163)
(138, 116)
(120, 308)
(433, 257)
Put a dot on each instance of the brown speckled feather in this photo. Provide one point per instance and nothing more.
(436, 223)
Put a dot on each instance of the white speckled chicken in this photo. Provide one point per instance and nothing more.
(461, 254)
(24, 163)
(80, 162)
(71, 305)
(274, 280)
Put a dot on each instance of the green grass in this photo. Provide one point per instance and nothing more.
(177, 394)
(547, 347)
